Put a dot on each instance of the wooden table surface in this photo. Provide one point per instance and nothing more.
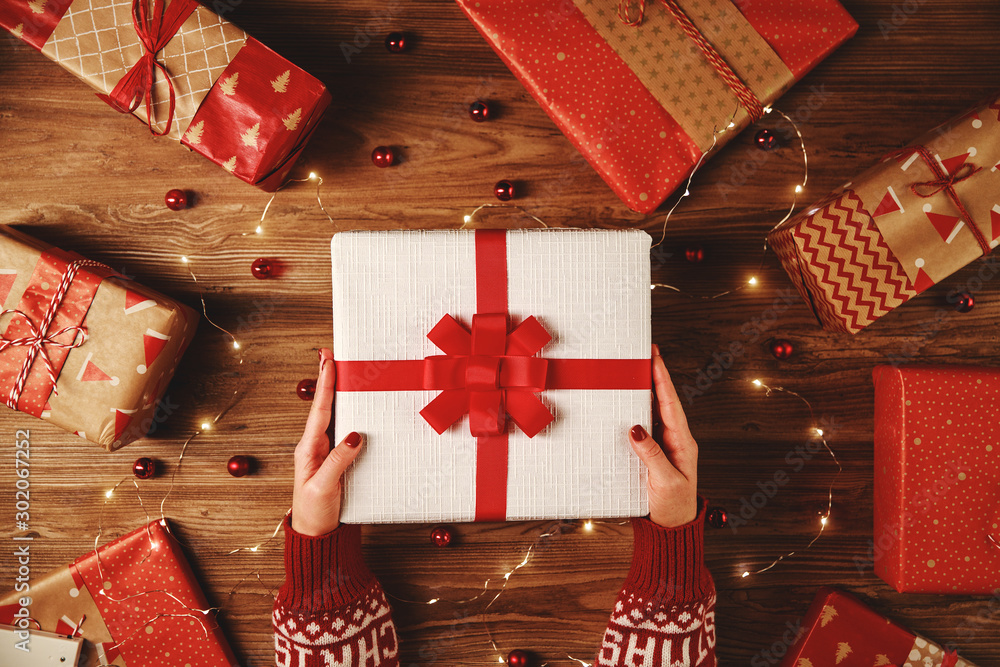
(80, 176)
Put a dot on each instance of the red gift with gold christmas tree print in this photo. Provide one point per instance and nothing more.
(187, 72)
(840, 631)
(81, 346)
(645, 91)
(937, 479)
(135, 602)
(907, 223)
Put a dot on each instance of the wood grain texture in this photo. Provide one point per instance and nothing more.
(77, 174)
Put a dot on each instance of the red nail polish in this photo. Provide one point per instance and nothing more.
(353, 439)
(639, 433)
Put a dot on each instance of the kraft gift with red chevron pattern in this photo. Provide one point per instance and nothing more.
(916, 217)
(82, 346)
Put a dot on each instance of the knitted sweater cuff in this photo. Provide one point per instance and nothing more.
(324, 572)
(668, 563)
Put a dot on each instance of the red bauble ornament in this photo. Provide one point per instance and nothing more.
(766, 140)
(518, 658)
(504, 190)
(478, 111)
(395, 42)
(176, 200)
(144, 468)
(262, 268)
(694, 254)
(239, 465)
(383, 157)
(306, 390)
(717, 517)
(781, 349)
(965, 302)
(441, 536)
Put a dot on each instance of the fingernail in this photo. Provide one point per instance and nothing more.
(639, 433)
(353, 439)
(323, 358)
(656, 350)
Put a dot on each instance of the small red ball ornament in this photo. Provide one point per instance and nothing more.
(694, 254)
(478, 111)
(504, 190)
(383, 157)
(766, 140)
(441, 536)
(518, 658)
(395, 42)
(781, 349)
(262, 268)
(239, 465)
(176, 200)
(144, 468)
(717, 517)
(306, 390)
(965, 302)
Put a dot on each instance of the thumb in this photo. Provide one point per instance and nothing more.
(338, 460)
(648, 450)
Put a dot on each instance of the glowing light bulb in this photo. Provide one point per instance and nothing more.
(752, 281)
(313, 176)
(798, 189)
(184, 259)
(108, 493)
(731, 125)
(767, 109)
(746, 574)
(822, 521)
(260, 230)
(468, 219)
(819, 432)
(652, 287)
(236, 345)
(589, 526)
(757, 382)
(254, 549)
(205, 426)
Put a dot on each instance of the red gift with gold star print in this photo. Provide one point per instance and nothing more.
(135, 601)
(937, 479)
(82, 346)
(188, 73)
(840, 631)
(645, 90)
(920, 214)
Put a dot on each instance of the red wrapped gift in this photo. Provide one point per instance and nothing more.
(135, 601)
(643, 100)
(937, 479)
(188, 73)
(839, 630)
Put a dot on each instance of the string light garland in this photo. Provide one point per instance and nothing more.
(816, 432)
(313, 177)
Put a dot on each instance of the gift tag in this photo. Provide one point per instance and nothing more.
(34, 648)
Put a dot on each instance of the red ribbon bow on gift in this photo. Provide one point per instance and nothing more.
(487, 373)
(155, 29)
(40, 336)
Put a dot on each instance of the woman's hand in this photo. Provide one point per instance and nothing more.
(318, 469)
(673, 468)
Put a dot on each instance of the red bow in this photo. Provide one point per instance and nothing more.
(155, 31)
(488, 374)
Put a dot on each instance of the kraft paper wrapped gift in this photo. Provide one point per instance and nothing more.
(113, 344)
(644, 102)
(527, 416)
(937, 479)
(907, 223)
(135, 601)
(215, 89)
(840, 631)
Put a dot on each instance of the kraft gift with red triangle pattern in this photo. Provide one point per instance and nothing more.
(135, 601)
(840, 631)
(909, 222)
(644, 102)
(221, 93)
(108, 382)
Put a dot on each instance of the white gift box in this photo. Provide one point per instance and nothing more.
(582, 390)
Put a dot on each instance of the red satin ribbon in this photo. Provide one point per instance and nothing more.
(944, 182)
(155, 29)
(490, 373)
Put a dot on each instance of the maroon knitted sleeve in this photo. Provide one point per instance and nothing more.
(331, 609)
(665, 612)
